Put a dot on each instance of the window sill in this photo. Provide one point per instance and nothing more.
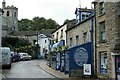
(101, 14)
(104, 74)
(103, 41)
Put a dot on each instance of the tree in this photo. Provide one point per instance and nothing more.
(24, 24)
(14, 42)
(37, 23)
(51, 24)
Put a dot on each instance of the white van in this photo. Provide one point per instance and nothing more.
(6, 56)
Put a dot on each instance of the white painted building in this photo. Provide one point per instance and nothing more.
(44, 43)
(60, 33)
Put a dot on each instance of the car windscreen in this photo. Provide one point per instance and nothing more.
(25, 54)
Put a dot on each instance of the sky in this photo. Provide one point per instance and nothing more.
(58, 10)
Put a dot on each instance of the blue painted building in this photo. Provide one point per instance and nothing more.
(82, 14)
(80, 42)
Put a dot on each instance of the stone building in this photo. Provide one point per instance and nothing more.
(41, 37)
(32, 36)
(9, 19)
(79, 34)
(107, 38)
(79, 40)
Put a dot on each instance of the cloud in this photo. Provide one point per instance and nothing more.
(59, 10)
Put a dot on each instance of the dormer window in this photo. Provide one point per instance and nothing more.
(8, 13)
(85, 16)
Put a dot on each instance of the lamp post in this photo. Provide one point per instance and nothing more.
(1, 13)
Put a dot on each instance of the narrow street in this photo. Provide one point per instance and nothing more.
(26, 69)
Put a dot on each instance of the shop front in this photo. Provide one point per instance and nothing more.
(117, 61)
(116, 54)
(78, 56)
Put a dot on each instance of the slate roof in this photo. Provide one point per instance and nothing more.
(70, 23)
(46, 32)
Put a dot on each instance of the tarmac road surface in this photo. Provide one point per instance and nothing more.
(26, 69)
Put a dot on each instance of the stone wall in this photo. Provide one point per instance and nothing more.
(112, 34)
(80, 29)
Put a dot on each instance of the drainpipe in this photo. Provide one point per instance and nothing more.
(92, 49)
(95, 42)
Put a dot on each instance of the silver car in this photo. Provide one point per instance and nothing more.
(25, 56)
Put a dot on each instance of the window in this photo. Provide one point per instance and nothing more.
(77, 19)
(102, 32)
(53, 36)
(50, 42)
(15, 14)
(85, 37)
(71, 42)
(101, 8)
(103, 63)
(77, 39)
(85, 16)
(61, 33)
(8, 13)
(45, 41)
(57, 36)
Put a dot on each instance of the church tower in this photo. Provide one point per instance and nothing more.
(10, 17)
(3, 4)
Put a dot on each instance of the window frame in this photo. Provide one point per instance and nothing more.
(8, 13)
(61, 33)
(77, 39)
(102, 32)
(45, 41)
(101, 8)
(57, 35)
(85, 37)
(71, 41)
(103, 63)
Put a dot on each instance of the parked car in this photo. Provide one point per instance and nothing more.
(6, 57)
(25, 56)
(15, 57)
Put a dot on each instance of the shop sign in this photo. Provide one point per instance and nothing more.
(87, 69)
(81, 56)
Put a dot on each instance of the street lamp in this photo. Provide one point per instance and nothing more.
(1, 13)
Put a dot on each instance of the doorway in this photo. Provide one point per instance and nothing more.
(117, 60)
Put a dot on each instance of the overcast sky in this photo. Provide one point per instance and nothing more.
(58, 10)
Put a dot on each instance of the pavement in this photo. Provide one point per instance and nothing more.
(56, 73)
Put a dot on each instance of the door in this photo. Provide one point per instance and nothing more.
(117, 67)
